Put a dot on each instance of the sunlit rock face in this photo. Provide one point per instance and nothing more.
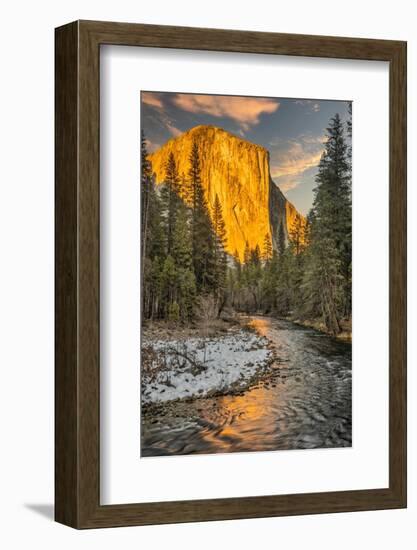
(238, 172)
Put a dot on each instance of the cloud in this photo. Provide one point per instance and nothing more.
(152, 99)
(314, 105)
(152, 145)
(243, 110)
(291, 158)
(286, 183)
(173, 129)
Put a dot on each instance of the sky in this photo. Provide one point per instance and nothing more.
(292, 130)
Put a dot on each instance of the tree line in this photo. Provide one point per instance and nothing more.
(183, 242)
(307, 274)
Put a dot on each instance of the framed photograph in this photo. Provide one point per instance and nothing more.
(230, 274)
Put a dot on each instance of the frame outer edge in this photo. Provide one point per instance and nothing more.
(88, 274)
(66, 275)
(77, 276)
(398, 274)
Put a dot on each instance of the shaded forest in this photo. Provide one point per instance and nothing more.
(187, 274)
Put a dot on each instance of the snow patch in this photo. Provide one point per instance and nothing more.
(196, 367)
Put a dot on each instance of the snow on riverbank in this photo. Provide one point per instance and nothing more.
(198, 367)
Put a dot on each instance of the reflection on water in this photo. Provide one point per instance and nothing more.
(304, 403)
(262, 325)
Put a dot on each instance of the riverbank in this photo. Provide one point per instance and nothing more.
(345, 335)
(207, 359)
(200, 361)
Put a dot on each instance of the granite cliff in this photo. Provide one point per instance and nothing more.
(238, 172)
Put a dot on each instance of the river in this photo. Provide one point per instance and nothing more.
(305, 402)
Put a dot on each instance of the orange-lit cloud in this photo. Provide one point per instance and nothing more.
(289, 160)
(152, 145)
(244, 110)
(296, 162)
(173, 129)
(152, 99)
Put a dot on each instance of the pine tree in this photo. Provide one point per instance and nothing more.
(255, 256)
(153, 284)
(220, 242)
(281, 239)
(284, 283)
(196, 194)
(187, 293)
(182, 255)
(269, 283)
(185, 190)
(326, 282)
(168, 285)
(203, 237)
(252, 277)
(146, 183)
(170, 199)
(236, 260)
(297, 234)
(349, 133)
(218, 223)
(246, 254)
(182, 250)
(152, 238)
(267, 250)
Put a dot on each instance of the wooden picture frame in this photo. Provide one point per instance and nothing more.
(77, 383)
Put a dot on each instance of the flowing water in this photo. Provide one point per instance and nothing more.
(305, 402)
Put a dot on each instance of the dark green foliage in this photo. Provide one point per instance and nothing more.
(182, 255)
(220, 256)
(329, 258)
(203, 238)
(246, 254)
(152, 238)
(306, 274)
(297, 235)
(267, 250)
(252, 278)
(269, 283)
(281, 239)
(171, 200)
(146, 186)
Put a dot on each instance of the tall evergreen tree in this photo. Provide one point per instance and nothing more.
(297, 234)
(182, 255)
(203, 237)
(349, 133)
(170, 199)
(185, 191)
(246, 254)
(168, 286)
(269, 283)
(152, 238)
(146, 184)
(281, 239)
(236, 260)
(255, 256)
(220, 242)
(329, 258)
(267, 249)
(182, 248)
